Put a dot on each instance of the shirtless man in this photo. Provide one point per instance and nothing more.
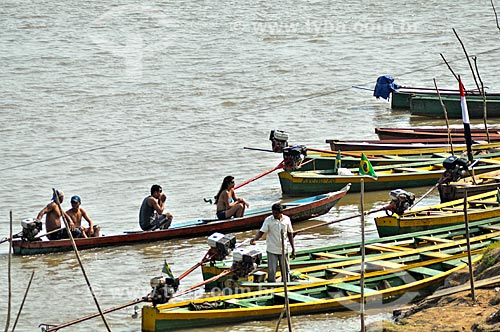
(53, 219)
(76, 213)
(151, 214)
(227, 203)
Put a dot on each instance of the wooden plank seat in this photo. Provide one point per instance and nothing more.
(349, 288)
(297, 297)
(381, 248)
(434, 254)
(340, 273)
(434, 239)
(327, 255)
(492, 203)
(244, 304)
(393, 246)
(384, 265)
(426, 271)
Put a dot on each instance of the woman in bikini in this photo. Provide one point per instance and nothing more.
(227, 203)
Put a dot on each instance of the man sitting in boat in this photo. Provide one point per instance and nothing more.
(228, 205)
(53, 220)
(151, 214)
(76, 213)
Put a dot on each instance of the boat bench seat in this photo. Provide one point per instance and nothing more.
(297, 297)
(435, 254)
(394, 247)
(434, 239)
(426, 271)
(384, 265)
(350, 288)
(484, 203)
(382, 248)
(327, 255)
(244, 304)
(340, 273)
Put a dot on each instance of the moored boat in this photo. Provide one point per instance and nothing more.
(479, 207)
(401, 99)
(350, 251)
(406, 175)
(297, 210)
(385, 281)
(478, 134)
(474, 185)
(430, 106)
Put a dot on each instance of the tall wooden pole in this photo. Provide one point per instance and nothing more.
(67, 223)
(9, 263)
(284, 277)
(450, 141)
(467, 58)
(22, 303)
(469, 257)
(362, 280)
(483, 93)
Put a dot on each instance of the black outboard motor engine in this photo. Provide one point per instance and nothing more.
(293, 157)
(245, 262)
(401, 201)
(455, 167)
(163, 289)
(31, 227)
(279, 140)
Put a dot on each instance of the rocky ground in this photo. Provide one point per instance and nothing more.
(456, 312)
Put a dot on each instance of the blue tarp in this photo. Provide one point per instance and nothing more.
(385, 85)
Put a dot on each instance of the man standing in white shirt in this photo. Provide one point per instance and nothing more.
(273, 226)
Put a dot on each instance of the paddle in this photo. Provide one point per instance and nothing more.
(280, 165)
(335, 221)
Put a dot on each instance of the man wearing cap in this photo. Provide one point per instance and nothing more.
(151, 214)
(273, 226)
(53, 218)
(76, 213)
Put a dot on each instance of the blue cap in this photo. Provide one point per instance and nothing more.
(76, 199)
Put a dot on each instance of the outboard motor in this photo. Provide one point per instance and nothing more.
(221, 245)
(293, 157)
(401, 201)
(31, 227)
(163, 289)
(456, 168)
(245, 262)
(279, 140)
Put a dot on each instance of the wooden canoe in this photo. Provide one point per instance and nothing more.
(478, 134)
(298, 210)
(406, 175)
(479, 207)
(386, 283)
(430, 106)
(350, 251)
(401, 99)
(474, 185)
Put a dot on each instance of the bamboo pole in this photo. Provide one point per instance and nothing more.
(450, 141)
(22, 303)
(448, 65)
(68, 228)
(284, 277)
(9, 277)
(483, 93)
(496, 17)
(362, 276)
(469, 257)
(467, 57)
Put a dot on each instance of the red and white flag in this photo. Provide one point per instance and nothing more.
(465, 119)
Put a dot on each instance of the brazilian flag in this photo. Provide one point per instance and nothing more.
(338, 163)
(366, 168)
(167, 270)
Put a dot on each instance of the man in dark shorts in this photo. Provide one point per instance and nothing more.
(151, 214)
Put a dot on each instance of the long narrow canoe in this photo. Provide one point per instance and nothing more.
(297, 210)
(401, 99)
(303, 183)
(478, 134)
(350, 251)
(479, 207)
(431, 106)
(401, 143)
(385, 281)
(474, 185)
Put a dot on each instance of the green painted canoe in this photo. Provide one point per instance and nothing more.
(431, 106)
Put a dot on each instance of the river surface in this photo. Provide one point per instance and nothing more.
(103, 99)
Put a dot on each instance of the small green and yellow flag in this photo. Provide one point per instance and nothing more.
(366, 168)
(167, 270)
(338, 163)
